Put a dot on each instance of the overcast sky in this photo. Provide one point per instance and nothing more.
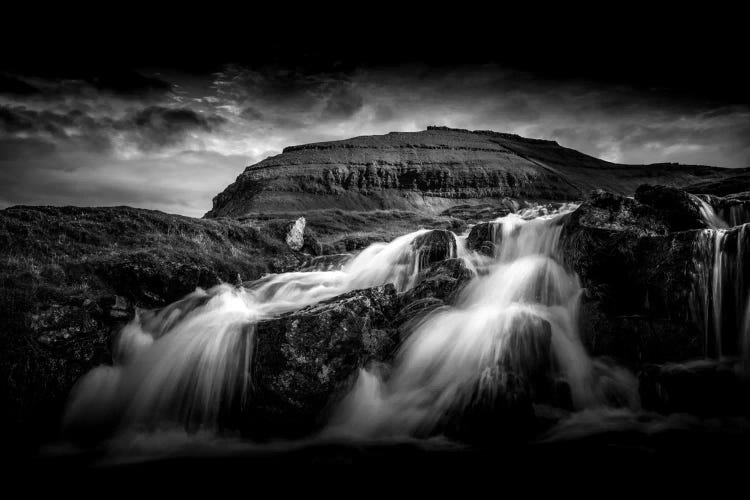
(172, 136)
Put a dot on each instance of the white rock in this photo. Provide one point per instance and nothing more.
(295, 238)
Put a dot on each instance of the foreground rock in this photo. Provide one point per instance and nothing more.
(639, 261)
(501, 407)
(638, 281)
(72, 277)
(434, 246)
(485, 238)
(703, 387)
(438, 285)
(303, 358)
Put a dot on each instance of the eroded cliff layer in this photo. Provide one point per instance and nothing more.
(433, 170)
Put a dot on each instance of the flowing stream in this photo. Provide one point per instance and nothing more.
(512, 333)
(188, 363)
(519, 318)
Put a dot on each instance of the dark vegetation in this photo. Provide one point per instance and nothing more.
(70, 277)
(338, 230)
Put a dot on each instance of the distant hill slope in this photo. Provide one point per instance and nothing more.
(723, 187)
(435, 169)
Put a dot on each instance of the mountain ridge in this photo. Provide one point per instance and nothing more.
(435, 169)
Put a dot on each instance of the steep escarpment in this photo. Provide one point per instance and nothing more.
(433, 170)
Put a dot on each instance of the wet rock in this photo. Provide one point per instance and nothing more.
(484, 211)
(485, 237)
(285, 263)
(311, 244)
(611, 212)
(702, 387)
(437, 286)
(638, 280)
(326, 262)
(121, 309)
(295, 236)
(500, 411)
(677, 209)
(302, 359)
(528, 352)
(434, 246)
(442, 280)
(351, 243)
(413, 311)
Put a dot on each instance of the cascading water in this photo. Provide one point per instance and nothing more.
(720, 295)
(188, 364)
(523, 313)
(513, 328)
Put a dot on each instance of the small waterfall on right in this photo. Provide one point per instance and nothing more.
(720, 295)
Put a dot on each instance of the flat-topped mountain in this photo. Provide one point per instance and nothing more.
(433, 170)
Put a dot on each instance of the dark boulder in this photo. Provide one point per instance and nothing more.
(436, 286)
(678, 210)
(701, 387)
(434, 246)
(501, 406)
(485, 237)
(611, 212)
(638, 279)
(302, 359)
(442, 280)
(326, 262)
(484, 211)
(528, 352)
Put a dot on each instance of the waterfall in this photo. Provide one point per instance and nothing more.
(709, 215)
(187, 365)
(520, 319)
(720, 295)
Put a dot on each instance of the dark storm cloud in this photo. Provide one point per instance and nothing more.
(18, 119)
(54, 128)
(289, 98)
(158, 126)
(251, 114)
(58, 83)
(149, 128)
(342, 104)
(14, 86)
(127, 83)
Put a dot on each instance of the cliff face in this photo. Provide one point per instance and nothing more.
(433, 170)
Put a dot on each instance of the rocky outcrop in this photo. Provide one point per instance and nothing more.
(303, 358)
(72, 277)
(636, 306)
(436, 286)
(485, 237)
(700, 387)
(637, 259)
(432, 171)
(434, 246)
(675, 209)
